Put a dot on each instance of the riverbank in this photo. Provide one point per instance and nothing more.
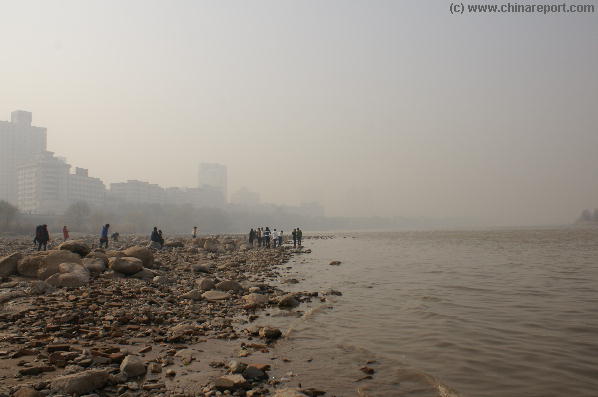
(136, 321)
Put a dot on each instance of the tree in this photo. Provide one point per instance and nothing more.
(77, 215)
(8, 213)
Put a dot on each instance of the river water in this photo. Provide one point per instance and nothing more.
(447, 313)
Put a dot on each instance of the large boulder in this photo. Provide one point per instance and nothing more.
(144, 254)
(103, 256)
(229, 285)
(53, 261)
(70, 275)
(132, 366)
(126, 265)
(8, 264)
(77, 246)
(30, 265)
(94, 265)
(80, 383)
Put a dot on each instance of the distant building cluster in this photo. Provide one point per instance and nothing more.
(38, 182)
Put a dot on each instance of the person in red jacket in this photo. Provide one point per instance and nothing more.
(65, 233)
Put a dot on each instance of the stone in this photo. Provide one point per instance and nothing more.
(144, 274)
(53, 260)
(126, 265)
(230, 382)
(77, 246)
(144, 254)
(30, 264)
(194, 294)
(154, 368)
(38, 287)
(180, 330)
(211, 245)
(213, 296)
(335, 263)
(236, 367)
(101, 255)
(132, 366)
(80, 383)
(8, 264)
(288, 301)
(289, 392)
(205, 284)
(174, 244)
(270, 333)
(252, 373)
(27, 392)
(70, 275)
(200, 268)
(256, 300)
(229, 285)
(95, 265)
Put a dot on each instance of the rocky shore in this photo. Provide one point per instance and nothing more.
(133, 320)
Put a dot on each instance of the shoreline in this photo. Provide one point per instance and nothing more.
(190, 336)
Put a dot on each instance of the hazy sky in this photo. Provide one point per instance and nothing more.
(370, 107)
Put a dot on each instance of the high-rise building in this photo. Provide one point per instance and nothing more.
(214, 177)
(82, 187)
(42, 184)
(137, 192)
(19, 143)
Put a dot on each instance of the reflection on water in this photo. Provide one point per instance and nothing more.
(486, 313)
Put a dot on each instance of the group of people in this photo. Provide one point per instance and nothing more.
(42, 236)
(272, 238)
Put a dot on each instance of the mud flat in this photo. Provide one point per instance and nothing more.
(133, 320)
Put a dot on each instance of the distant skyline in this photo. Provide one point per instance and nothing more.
(390, 108)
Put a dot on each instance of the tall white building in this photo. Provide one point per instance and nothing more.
(42, 184)
(19, 143)
(212, 177)
(82, 187)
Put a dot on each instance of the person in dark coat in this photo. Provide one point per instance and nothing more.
(251, 236)
(43, 238)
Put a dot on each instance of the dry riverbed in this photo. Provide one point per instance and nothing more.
(136, 321)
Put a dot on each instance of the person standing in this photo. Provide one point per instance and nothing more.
(43, 238)
(294, 238)
(161, 238)
(280, 238)
(259, 236)
(251, 236)
(194, 232)
(274, 238)
(65, 233)
(155, 237)
(104, 236)
(267, 237)
(38, 231)
(299, 237)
